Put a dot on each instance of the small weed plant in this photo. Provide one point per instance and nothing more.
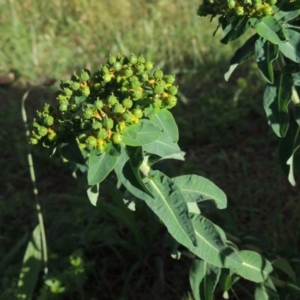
(116, 122)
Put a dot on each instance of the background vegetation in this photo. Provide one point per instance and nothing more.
(222, 129)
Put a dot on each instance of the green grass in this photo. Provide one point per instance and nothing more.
(223, 130)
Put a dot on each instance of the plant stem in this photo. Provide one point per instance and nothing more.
(33, 181)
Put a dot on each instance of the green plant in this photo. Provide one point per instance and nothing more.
(117, 119)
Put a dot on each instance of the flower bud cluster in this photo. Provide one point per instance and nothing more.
(98, 107)
(228, 8)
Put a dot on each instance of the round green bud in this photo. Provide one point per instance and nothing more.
(157, 103)
(158, 74)
(102, 134)
(52, 136)
(239, 11)
(42, 131)
(117, 138)
(127, 116)
(158, 89)
(33, 141)
(75, 77)
(140, 68)
(171, 101)
(141, 59)
(148, 66)
(112, 59)
(118, 108)
(63, 107)
(85, 75)
(108, 123)
(138, 113)
(35, 124)
(97, 86)
(128, 72)
(144, 76)
(247, 2)
(97, 125)
(267, 11)
(48, 121)
(137, 94)
(62, 97)
(75, 86)
(117, 66)
(272, 2)
(107, 77)
(133, 59)
(170, 79)
(135, 84)
(121, 127)
(74, 108)
(91, 141)
(65, 83)
(88, 113)
(112, 99)
(105, 69)
(172, 90)
(68, 92)
(231, 4)
(127, 103)
(98, 104)
(85, 90)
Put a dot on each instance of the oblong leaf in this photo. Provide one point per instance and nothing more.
(265, 54)
(291, 47)
(211, 247)
(285, 267)
(100, 165)
(203, 279)
(241, 55)
(70, 150)
(270, 29)
(31, 266)
(276, 99)
(165, 120)
(93, 194)
(169, 205)
(197, 188)
(141, 134)
(266, 291)
(235, 29)
(127, 177)
(254, 267)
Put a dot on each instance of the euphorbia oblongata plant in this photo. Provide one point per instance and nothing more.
(118, 120)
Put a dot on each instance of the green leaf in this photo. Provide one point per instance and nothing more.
(289, 145)
(127, 177)
(169, 205)
(31, 266)
(165, 120)
(276, 99)
(235, 29)
(266, 291)
(285, 267)
(71, 151)
(196, 188)
(141, 134)
(93, 194)
(265, 54)
(227, 279)
(163, 147)
(269, 28)
(136, 159)
(203, 279)
(242, 54)
(291, 47)
(100, 165)
(211, 247)
(254, 267)
(285, 16)
(294, 288)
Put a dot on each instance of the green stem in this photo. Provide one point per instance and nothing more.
(33, 180)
